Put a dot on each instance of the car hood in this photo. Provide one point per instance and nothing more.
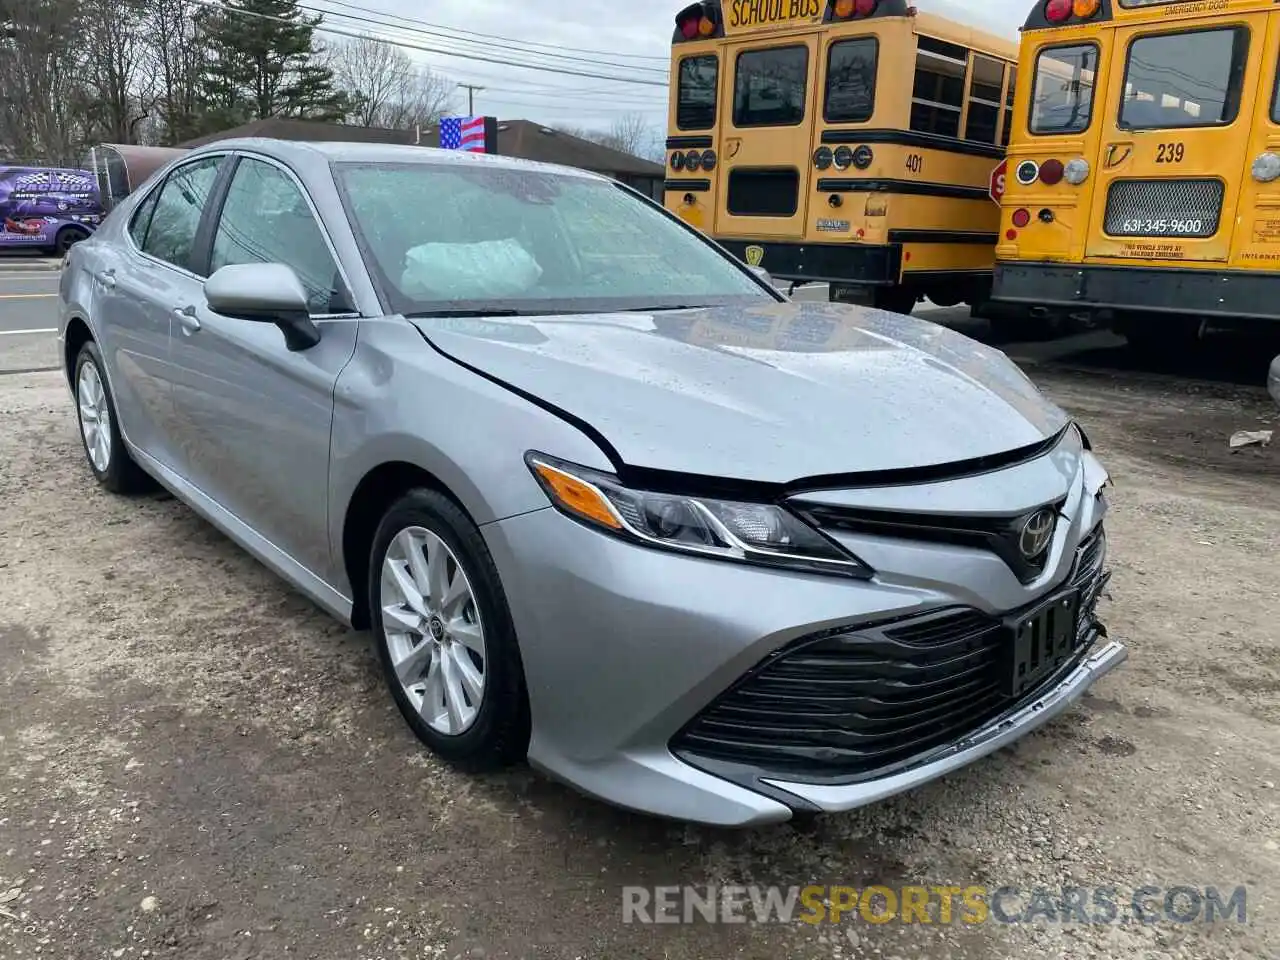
(773, 393)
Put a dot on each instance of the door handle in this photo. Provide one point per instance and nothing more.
(190, 324)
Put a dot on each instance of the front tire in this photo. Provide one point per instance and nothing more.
(100, 427)
(445, 635)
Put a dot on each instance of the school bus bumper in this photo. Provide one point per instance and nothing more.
(1212, 292)
(874, 264)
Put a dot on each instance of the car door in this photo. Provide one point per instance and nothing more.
(254, 415)
(137, 281)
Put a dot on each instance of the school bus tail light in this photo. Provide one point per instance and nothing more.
(1051, 172)
(698, 21)
(1021, 217)
(1266, 168)
(1076, 171)
(1058, 11)
(1084, 9)
(851, 9)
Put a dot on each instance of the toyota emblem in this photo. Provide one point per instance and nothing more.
(1037, 531)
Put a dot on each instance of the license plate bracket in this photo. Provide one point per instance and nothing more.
(1040, 640)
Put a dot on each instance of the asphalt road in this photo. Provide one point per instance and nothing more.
(28, 316)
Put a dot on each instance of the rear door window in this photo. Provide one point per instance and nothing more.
(1185, 79)
(769, 87)
(1062, 94)
(851, 80)
(171, 235)
(696, 92)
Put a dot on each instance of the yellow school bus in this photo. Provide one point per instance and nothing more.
(1143, 173)
(850, 142)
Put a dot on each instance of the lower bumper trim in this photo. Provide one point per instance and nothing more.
(869, 263)
(1235, 294)
(1000, 733)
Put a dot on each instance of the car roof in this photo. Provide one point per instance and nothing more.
(308, 151)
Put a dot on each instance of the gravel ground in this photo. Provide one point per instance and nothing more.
(196, 763)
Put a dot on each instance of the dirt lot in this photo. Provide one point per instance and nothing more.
(196, 763)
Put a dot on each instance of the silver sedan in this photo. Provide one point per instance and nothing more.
(605, 499)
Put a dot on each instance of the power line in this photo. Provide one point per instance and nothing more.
(466, 51)
(486, 36)
(446, 53)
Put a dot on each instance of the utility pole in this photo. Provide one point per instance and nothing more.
(471, 89)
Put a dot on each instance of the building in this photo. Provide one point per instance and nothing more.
(516, 138)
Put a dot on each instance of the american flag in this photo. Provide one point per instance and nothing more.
(462, 133)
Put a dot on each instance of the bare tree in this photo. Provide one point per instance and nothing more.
(630, 133)
(390, 90)
(426, 98)
(114, 51)
(374, 74)
(176, 60)
(40, 46)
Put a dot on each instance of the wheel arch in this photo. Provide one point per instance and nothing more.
(76, 335)
(375, 492)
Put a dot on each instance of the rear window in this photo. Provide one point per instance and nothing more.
(851, 80)
(1188, 79)
(1062, 94)
(696, 93)
(769, 87)
(766, 192)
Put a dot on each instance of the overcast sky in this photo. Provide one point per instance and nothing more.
(629, 39)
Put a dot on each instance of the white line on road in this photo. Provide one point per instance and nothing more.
(25, 296)
(10, 333)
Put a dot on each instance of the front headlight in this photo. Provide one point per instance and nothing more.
(758, 533)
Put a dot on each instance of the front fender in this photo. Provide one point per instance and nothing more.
(400, 401)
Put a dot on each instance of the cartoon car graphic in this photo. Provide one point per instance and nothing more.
(30, 228)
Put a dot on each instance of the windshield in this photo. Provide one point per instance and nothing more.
(474, 238)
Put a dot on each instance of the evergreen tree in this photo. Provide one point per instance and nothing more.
(263, 62)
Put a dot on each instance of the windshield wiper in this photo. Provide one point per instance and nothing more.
(678, 306)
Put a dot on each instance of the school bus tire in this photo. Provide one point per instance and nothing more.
(895, 299)
(1156, 335)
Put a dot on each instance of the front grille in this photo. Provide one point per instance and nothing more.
(1163, 208)
(854, 703)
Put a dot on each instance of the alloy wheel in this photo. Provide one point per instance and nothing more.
(95, 417)
(433, 630)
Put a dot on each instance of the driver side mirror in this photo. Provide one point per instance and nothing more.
(264, 293)
(762, 273)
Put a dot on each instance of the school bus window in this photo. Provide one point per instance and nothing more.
(938, 95)
(1275, 97)
(696, 92)
(1188, 79)
(1062, 90)
(851, 80)
(766, 192)
(1008, 108)
(769, 87)
(986, 83)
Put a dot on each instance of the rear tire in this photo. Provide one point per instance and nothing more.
(895, 299)
(67, 238)
(445, 636)
(99, 422)
(1159, 337)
